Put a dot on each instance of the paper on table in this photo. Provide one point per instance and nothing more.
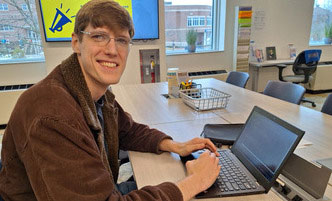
(326, 162)
(279, 61)
(303, 143)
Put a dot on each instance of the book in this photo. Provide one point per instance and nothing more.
(292, 51)
(271, 53)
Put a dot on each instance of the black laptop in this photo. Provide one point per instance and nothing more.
(255, 160)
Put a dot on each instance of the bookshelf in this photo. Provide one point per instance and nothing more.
(242, 38)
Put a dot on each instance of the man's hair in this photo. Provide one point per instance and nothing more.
(99, 13)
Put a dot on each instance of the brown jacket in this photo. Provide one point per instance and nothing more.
(49, 151)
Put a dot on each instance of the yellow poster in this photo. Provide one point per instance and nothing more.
(59, 16)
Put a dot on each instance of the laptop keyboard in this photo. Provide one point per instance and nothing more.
(231, 177)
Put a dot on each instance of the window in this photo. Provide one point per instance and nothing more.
(3, 7)
(195, 21)
(209, 21)
(24, 7)
(6, 28)
(321, 27)
(20, 39)
(205, 17)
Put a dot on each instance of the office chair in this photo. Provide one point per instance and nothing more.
(286, 91)
(123, 157)
(327, 106)
(304, 66)
(239, 79)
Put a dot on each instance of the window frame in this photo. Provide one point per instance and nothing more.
(218, 23)
(14, 38)
(313, 43)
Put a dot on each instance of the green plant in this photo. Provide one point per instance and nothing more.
(328, 30)
(191, 37)
(18, 53)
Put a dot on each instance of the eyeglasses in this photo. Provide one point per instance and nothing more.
(102, 39)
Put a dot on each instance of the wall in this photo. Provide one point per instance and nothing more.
(56, 52)
(285, 22)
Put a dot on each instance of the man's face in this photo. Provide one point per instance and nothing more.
(102, 63)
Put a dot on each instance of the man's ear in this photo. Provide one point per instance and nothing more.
(75, 43)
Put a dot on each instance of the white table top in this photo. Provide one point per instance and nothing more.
(268, 63)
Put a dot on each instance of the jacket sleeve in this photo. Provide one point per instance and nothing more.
(138, 137)
(63, 162)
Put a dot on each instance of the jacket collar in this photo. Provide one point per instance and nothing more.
(74, 79)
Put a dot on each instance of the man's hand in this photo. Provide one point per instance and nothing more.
(202, 173)
(186, 148)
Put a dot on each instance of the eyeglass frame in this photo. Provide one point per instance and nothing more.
(108, 39)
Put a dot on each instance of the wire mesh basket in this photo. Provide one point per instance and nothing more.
(204, 98)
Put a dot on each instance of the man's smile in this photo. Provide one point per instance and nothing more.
(107, 64)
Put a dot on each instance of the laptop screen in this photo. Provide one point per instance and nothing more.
(265, 143)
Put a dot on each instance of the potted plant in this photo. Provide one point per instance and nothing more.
(328, 34)
(191, 38)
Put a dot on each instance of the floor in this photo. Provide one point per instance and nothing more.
(317, 98)
(126, 171)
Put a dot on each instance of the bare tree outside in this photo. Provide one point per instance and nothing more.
(321, 27)
(19, 32)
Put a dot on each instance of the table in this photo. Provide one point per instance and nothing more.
(255, 70)
(147, 105)
(173, 117)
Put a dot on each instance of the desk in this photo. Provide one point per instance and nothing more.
(256, 71)
(173, 117)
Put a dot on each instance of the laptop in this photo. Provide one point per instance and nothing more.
(255, 160)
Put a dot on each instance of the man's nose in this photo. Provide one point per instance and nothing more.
(111, 47)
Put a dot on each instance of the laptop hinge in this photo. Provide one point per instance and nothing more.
(301, 180)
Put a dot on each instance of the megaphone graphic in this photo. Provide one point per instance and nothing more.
(63, 20)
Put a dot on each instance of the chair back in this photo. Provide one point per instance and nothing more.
(286, 91)
(307, 59)
(327, 106)
(239, 79)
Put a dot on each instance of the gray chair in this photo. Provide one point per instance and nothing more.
(286, 91)
(239, 79)
(327, 107)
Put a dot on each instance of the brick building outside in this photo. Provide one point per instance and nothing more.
(19, 30)
(179, 19)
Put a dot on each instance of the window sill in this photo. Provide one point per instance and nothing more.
(190, 53)
(317, 45)
(23, 60)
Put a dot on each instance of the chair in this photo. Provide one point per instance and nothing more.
(327, 106)
(239, 79)
(286, 91)
(304, 66)
(123, 157)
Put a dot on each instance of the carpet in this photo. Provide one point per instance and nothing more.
(317, 98)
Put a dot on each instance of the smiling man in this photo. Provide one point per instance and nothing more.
(64, 135)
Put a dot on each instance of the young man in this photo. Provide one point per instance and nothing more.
(63, 137)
